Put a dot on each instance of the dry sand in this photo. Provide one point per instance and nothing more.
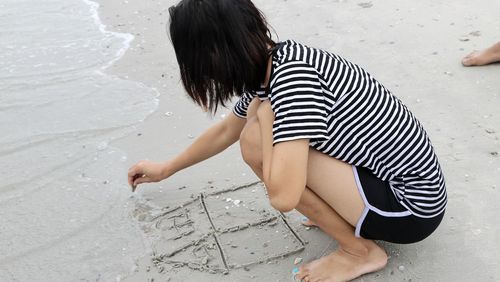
(414, 48)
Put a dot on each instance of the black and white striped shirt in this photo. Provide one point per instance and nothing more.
(347, 114)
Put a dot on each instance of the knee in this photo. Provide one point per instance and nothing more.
(250, 143)
(307, 202)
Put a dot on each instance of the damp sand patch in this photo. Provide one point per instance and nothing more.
(221, 231)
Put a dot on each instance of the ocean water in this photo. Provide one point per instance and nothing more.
(64, 201)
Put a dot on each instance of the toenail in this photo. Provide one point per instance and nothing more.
(294, 274)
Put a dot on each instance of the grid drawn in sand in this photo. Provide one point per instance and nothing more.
(208, 232)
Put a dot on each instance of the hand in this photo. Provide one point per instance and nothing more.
(146, 171)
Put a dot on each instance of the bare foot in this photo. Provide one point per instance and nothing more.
(483, 57)
(307, 222)
(343, 266)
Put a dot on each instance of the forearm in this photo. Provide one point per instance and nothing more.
(213, 141)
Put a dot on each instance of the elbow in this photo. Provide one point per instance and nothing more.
(283, 203)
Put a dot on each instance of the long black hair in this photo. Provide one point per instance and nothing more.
(221, 47)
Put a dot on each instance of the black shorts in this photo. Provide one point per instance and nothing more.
(384, 218)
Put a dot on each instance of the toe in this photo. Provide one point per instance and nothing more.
(307, 222)
(301, 274)
(296, 274)
(469, 59)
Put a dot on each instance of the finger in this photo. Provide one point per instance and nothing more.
(133, 170)
(132, 180)
(142, 179)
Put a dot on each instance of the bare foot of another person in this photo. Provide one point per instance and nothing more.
(483, 57)
(343, 266)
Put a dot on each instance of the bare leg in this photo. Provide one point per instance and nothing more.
(331, 200)
(483, 57)
(251, 151)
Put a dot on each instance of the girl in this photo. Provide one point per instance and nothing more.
(323, 135)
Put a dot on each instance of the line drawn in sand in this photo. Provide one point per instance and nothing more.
(215, 233)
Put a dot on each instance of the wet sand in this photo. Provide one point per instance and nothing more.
(414, 48)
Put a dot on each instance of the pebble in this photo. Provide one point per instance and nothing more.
(401, 268)
(204, 261)
(475, 33)
(168, 114)
(365, 4)
(102, 146)
(490, 131)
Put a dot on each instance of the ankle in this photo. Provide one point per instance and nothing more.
(357, 250)
(362, 248)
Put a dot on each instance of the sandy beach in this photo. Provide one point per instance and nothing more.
(413, 47)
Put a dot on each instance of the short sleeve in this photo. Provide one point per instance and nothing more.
(298, 103)
(241, 107)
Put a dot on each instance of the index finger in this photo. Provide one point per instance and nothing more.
(133, 171)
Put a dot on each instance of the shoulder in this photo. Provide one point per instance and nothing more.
(287, 51)
(290, 61)
(291, 50)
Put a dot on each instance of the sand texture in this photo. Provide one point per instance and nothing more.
(414, 48)
(197, 233)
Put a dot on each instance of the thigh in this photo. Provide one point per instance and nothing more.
(252, 108)
(333, 181)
